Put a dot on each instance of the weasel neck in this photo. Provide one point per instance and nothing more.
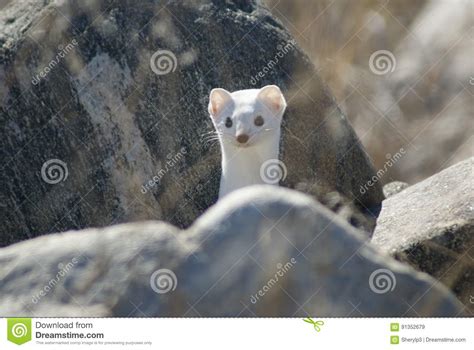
(241, 165)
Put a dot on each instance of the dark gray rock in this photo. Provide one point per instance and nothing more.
(77, 86)
(393, 188)
(262, 251)
(430, 225)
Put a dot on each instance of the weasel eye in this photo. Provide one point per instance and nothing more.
(258, 120)
(228, 122)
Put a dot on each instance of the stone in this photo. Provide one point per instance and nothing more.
(393, 188)
(430, 225)
(261, 251)
(104, 112)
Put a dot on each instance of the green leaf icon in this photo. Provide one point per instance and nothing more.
(19, 330)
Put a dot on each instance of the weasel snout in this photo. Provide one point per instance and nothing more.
(242, 138)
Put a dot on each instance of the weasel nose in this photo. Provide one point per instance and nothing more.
(242, 138)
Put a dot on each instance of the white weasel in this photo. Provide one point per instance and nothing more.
(247, 123)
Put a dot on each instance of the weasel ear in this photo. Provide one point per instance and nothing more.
(217, 101)
(272, 97)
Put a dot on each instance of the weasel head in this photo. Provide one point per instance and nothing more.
(247, 118)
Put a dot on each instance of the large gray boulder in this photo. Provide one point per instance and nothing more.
(430, 225)
(97, 130)
(262, 251)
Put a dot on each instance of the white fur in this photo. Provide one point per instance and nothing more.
(241, 163)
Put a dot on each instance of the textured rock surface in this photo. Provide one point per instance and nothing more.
(430, 225)
(226, 264)
(393, 188)
(117, 126)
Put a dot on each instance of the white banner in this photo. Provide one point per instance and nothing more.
(236, 333)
